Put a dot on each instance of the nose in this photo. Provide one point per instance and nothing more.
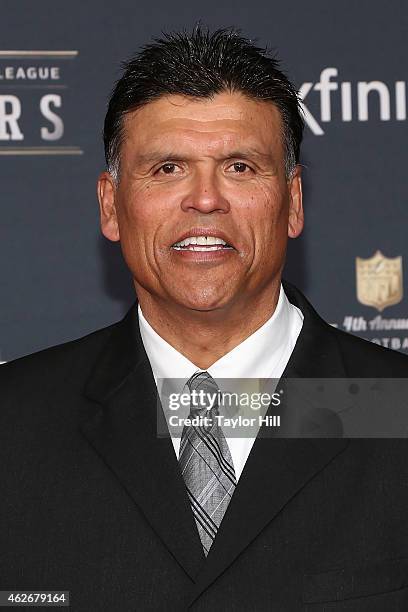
(205, 195)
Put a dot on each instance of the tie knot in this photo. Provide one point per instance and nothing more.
(204, 393)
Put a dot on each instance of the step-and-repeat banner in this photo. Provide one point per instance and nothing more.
(61, 279)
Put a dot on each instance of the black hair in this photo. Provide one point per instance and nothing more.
(201, 64)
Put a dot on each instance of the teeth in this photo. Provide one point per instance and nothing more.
(205, 248)
(197, 247)
(201, 241)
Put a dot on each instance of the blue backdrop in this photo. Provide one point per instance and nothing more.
(58, 61)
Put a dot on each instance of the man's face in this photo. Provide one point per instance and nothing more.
(209, 174)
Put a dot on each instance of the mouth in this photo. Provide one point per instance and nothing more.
(202, 241)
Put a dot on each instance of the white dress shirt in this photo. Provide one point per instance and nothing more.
(264, 354)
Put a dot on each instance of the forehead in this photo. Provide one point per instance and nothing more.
(215, 124)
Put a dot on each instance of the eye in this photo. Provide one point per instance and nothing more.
(168, 168)
(240, 168)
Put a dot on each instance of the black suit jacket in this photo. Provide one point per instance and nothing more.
(92, 501)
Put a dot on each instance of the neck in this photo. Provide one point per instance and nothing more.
(205, 336)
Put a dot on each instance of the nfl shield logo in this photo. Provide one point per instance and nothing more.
(379, 280)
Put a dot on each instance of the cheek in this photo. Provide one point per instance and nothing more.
(264, 215)
(141, 214)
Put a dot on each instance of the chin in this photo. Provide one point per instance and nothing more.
(203, 302)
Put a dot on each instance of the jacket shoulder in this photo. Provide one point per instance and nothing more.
(365, 358)
(359, 358)
(48, 365)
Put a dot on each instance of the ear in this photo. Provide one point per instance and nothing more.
(106, 190)
(296, 218)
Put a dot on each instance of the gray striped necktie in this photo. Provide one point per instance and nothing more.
(206, 463)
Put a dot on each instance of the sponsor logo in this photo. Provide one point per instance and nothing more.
(379, 284)
(379, 281)
(34, 94)
(359, 101)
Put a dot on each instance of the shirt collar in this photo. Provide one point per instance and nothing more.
(258, 356)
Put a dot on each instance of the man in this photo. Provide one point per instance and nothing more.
(202, 189)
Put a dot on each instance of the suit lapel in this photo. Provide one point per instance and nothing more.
(277, 468)
(121, 426)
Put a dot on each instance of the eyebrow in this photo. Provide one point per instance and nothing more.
(245, 153)
(154, 156)
(249, 153)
